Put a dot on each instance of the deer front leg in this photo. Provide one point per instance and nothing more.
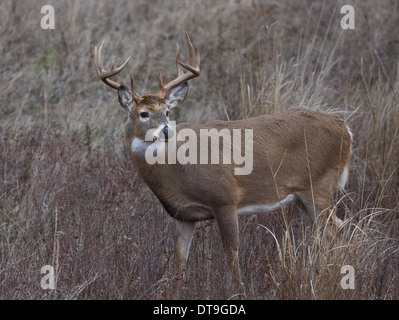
(227, 220)
(185, 232)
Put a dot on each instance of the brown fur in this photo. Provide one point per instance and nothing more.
(151, 99)
(291, 143)
(301, 152)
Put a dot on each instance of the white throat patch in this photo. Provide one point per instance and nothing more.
(139, 146)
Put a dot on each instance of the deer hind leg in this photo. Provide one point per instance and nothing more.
(227, 220)
(318, 200)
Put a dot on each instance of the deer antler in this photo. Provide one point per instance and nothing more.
(193, 69)
(104, 75)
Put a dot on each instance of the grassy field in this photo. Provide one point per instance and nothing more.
(70, 198)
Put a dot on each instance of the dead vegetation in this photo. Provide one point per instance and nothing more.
(69, 196)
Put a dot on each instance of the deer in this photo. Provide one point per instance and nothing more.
(300, 156)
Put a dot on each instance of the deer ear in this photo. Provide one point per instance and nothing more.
(177, 95)
(125, 98)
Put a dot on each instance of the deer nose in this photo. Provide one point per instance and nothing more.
(167, 132)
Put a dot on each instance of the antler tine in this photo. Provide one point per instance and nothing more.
(180, 71)
(160, 77)
(104, 75)
(113, 63)
(193, 69)
(198, 58)
(190, 49)
(97, 59)
(136, 96)
(196, 62)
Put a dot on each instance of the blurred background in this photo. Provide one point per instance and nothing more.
(70, 198)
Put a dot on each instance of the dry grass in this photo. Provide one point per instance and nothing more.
(69, 196)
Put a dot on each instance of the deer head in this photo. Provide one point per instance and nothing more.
(151, 112)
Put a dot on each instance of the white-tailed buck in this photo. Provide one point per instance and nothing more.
(299, 156)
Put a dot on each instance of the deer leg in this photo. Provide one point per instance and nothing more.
(319, 199)
(185, 232)
(227, 220)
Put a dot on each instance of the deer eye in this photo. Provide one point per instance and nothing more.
(144, 114)
(167, 113)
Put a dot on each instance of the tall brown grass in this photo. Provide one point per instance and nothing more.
(69, 196)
